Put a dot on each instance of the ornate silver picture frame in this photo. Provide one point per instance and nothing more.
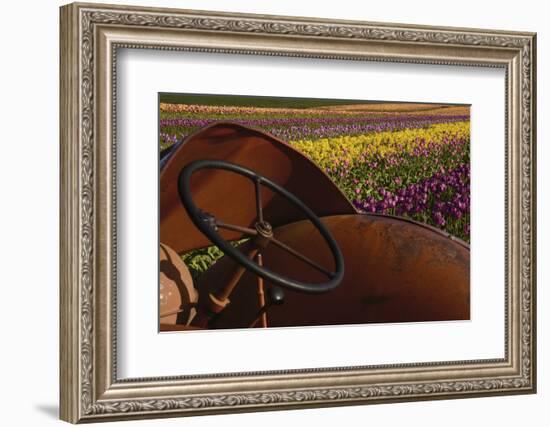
(91, 37)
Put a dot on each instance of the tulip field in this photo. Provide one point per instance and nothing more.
(409, 160)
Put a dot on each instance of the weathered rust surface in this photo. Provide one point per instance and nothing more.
(176, 293)
(395, 271)
(231, 197)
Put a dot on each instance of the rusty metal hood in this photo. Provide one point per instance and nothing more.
(230, 197)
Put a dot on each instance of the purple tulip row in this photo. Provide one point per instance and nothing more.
(316, 121)
(331, 131)
(442, 200)
(296, 129)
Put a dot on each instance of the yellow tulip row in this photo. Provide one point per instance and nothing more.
(330, 151)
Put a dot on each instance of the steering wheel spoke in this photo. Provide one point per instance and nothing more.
(253, 233)
(259, 210)
(301, 257)
(244, 230)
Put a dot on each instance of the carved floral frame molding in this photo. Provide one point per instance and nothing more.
(90, 37)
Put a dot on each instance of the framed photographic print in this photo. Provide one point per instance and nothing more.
(266, 212)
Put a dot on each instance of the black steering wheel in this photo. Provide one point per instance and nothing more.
(262, 233)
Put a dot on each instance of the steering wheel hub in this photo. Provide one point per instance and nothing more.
(264, 229)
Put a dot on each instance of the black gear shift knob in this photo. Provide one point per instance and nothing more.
(275, 296)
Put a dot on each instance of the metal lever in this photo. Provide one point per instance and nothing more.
(275, 296)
